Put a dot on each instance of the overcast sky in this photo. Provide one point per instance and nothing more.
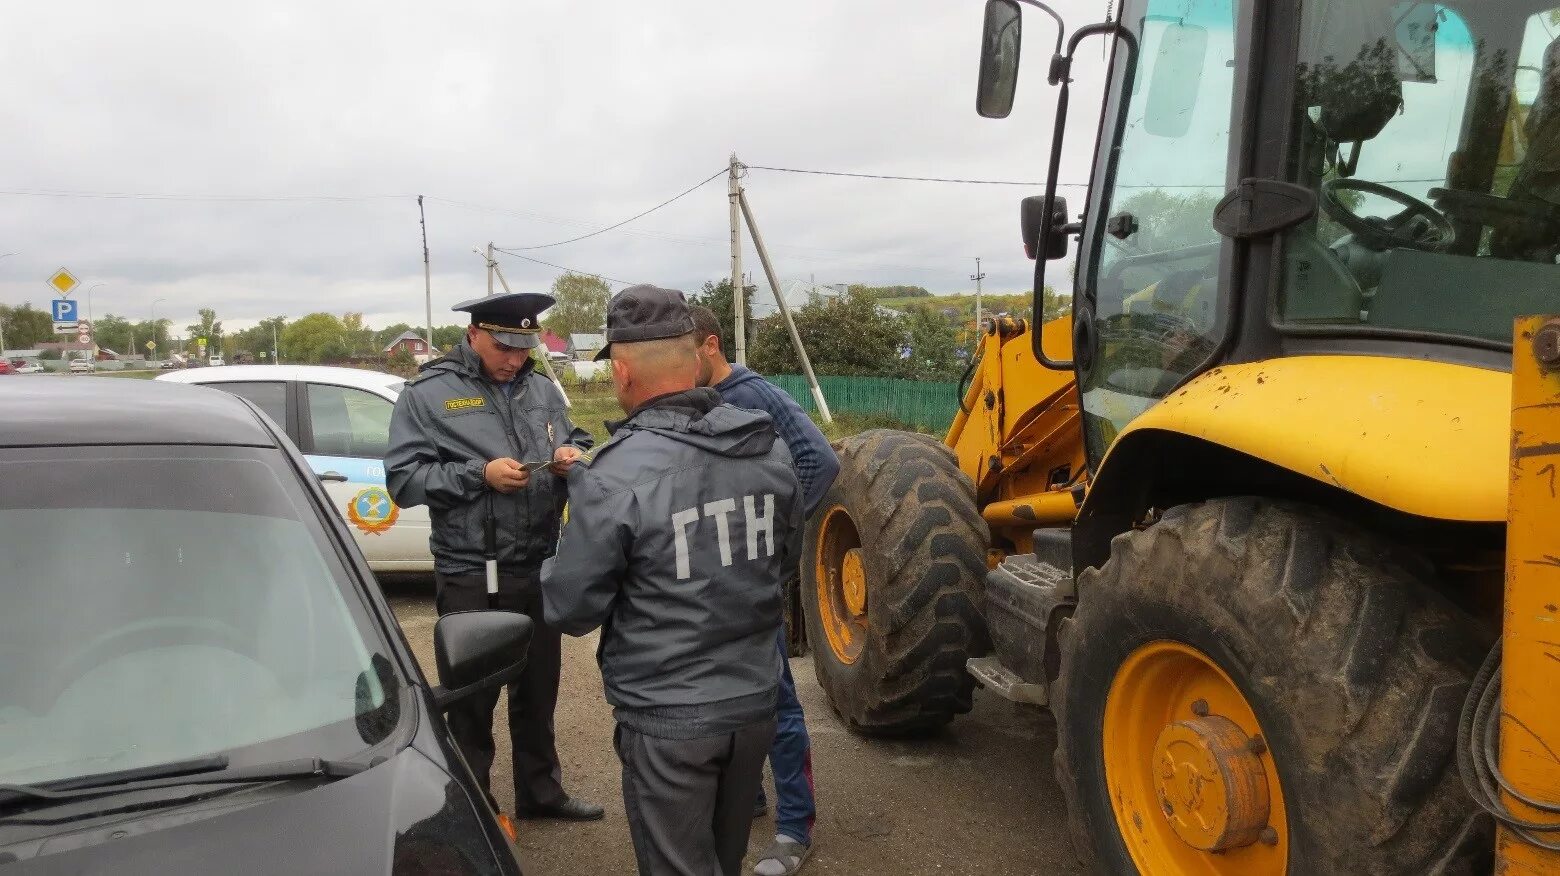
(546, 119)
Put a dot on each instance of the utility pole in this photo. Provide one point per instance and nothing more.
(490, 267)
(785, 310)
(977, 277)
(738, 294)
(276, 356)
(427, 281)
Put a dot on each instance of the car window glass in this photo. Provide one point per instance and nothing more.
(348, 422)
(269, 396)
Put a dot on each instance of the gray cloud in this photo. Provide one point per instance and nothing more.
(566, 115)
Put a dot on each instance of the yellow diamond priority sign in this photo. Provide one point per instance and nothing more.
(64, 281)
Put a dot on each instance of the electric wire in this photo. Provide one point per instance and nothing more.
(538, 261)
(688, 191)
(1478, 745)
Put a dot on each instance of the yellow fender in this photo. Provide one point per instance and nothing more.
(1424, 438)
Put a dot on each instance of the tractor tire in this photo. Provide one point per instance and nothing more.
(899, 522)
(1352, 667)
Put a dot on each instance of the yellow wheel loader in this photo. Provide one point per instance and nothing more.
(1268, 521)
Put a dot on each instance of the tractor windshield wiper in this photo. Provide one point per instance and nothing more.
(197, 771)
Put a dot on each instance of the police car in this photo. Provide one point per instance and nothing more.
(340, 419)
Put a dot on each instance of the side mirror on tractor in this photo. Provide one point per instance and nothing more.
(1045, 237)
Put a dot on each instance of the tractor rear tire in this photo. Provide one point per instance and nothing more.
(906, 516)
(1354, 668)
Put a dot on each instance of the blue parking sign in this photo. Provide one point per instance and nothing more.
(65, 310)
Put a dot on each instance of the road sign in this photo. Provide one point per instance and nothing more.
(151, 345)
(66, 310)
(83, 338)
(63, 281)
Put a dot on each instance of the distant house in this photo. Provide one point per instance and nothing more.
(413, 343)
(586, 346)
(556, 346)
(798, 294)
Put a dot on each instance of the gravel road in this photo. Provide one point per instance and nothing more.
(977, 799)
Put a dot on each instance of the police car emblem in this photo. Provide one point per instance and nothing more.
(372, 510)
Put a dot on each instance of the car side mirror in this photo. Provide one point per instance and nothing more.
(478, 650)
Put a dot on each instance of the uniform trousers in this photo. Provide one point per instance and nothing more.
(532, 697)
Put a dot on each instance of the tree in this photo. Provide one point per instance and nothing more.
(357, 338)
(402, 362)
(384, 336)
(893, 291)
(112, 332)
(932, 345)
(446, 337)
(25, 327)
(846, 336)
(314, 338)
(258, 339)
(581, 307)
(209, 328)
(717, 297)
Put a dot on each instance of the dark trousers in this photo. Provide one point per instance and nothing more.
(690, 801)
(532, 697)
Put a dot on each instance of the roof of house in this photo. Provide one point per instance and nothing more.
(553, 342)
(798, 293)
(407, 335)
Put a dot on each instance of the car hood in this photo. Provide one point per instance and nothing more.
(404, 816)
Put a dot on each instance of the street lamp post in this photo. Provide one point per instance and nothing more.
(89, 303)
(155, 333)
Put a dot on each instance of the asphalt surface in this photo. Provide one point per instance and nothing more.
(978, 799)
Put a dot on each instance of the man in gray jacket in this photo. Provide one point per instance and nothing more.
(479, 436)
(680, 533)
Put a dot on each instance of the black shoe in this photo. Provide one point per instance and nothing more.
(571, 809)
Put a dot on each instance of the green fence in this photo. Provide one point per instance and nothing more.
(926, 404)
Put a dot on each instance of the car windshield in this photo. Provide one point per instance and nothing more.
(168, 603)
(1431, 133)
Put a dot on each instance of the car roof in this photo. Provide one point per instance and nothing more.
(76, 411)
(356, 378)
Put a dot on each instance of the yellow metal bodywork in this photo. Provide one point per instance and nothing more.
(1191, 794)
(1018, 426)
(1530, 668)
(1425, 438)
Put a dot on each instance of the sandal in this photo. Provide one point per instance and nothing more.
(784, 857)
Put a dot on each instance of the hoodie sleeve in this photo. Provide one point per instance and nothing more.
(414, 473)
(581, 582)
(816, 464)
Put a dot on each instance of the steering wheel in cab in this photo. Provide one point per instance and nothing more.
(1419, 225)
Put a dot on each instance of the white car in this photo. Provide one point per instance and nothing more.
(29, 368)
(340, 420)
(216, 362)
(82, 366)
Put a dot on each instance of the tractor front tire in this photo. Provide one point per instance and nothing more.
(1333, 670)
(893, 565)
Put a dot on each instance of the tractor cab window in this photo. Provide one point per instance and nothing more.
(1156, 292)
(1431, 134)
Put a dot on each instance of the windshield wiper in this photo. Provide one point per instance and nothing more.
(197, 771)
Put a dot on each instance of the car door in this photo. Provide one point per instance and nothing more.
(345, 432)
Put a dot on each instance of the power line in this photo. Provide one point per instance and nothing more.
(563, 268)
(939, 179)
(156, 196)
(688, 191)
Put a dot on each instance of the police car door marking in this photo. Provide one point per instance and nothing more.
(718, 509)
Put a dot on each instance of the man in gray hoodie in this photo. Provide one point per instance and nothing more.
(679, 535)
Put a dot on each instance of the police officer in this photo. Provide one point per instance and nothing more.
(680, 533)
(478, 434)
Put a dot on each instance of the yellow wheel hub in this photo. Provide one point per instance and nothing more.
(841, 573)
(853, 577)
(1193, 785)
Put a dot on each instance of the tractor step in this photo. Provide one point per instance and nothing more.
(1026, 597)
(1000, 680)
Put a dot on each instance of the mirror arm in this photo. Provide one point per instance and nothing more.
(444, 697)
(1060, 28)
(1061, 73)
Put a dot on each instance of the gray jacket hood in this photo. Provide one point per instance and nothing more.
(697, 418)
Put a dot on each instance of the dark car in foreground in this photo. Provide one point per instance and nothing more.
(198, 673)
